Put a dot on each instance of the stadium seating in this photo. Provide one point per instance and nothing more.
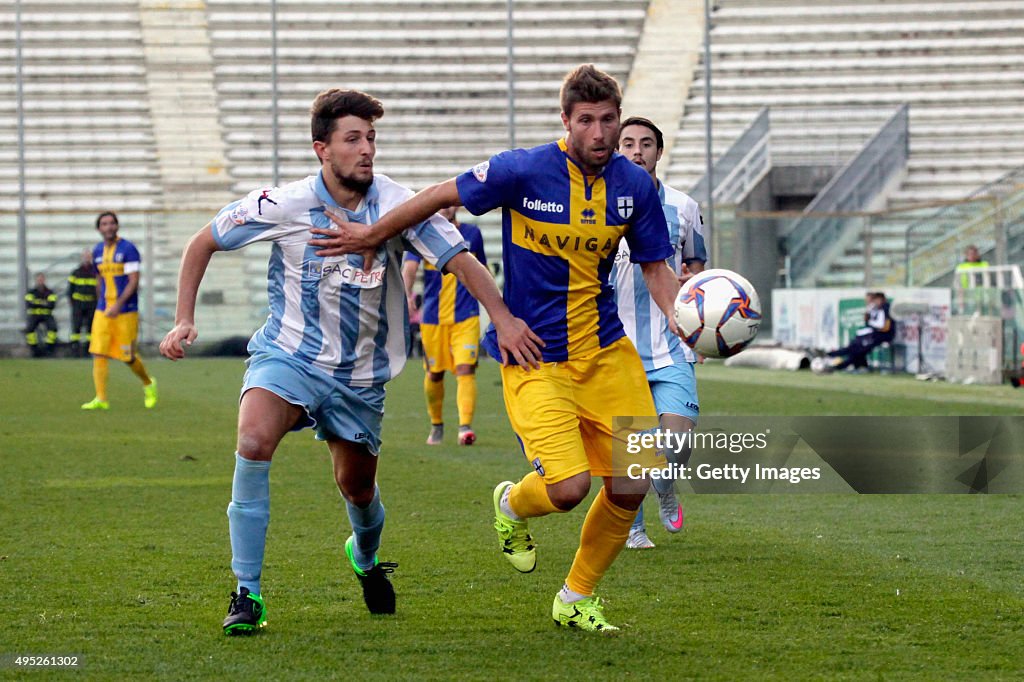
(446, 104)
(447, 101)
(439, 67)
(833, 71)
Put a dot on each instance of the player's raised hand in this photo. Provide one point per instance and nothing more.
(515, 338)
(173, 345)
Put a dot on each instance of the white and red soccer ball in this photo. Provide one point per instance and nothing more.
(718, 312)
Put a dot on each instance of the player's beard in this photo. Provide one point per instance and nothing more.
(351, 182)
(589, 163)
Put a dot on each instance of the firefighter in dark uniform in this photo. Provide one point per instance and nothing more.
(82, 296)
(40, 303)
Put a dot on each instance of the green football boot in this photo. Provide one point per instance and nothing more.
(514, 536)
(246, 614)
(586, 614)
(378, 592)
(149, 393)
(96, 404)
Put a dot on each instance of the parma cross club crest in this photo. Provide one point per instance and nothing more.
(480, 171)
(624, 205)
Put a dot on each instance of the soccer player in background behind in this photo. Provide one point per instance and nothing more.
(564, 207)
(115, 324)
(669, 362)
(450, 328)
(335, 335)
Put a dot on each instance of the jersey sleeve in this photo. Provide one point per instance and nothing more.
(692, 237)
(132, 259)
(436, 240)
(251, 219)
(647, 236)
(488, 185)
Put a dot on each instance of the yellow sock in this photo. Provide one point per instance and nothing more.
(100, 369)
(434, 391)
(529, 498)
(603, 536)
(139, 369)
(466, 397)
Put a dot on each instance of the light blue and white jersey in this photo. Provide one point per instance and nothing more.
(645, 324)
(328, 312)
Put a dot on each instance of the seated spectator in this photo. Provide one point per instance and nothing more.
(879, 328)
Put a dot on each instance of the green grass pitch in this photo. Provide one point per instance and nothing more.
(114, 547)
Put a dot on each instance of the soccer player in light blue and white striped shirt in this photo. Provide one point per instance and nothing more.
(337, 332)
(667, 360)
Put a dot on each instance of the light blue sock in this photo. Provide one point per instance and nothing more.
(367, 525)
(663, 486)
(248, 518)
(638, 522)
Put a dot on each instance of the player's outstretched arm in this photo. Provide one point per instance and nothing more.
(194, 261)
(357, 238)
(664, 287)
(515, 338)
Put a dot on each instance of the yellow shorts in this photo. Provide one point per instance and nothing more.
(114, 337)
(563, 412)
(446, 346)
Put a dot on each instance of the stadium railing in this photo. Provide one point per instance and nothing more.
(744, 165)
(989, 218)
(812, 245)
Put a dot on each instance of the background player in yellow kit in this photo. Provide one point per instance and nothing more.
(115, 325)
(450, 329)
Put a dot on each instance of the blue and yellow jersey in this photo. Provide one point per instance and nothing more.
(560, 232)
(445, 300)
(113, 265)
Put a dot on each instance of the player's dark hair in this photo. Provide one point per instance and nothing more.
(587, 83)
(330, 105)
(103, 215)
(659, 139)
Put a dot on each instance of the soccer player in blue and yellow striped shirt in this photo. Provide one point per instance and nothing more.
(565, 205)
(451, 334)
(115, 325)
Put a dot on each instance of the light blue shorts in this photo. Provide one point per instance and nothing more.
(334, 409)
(675, 390)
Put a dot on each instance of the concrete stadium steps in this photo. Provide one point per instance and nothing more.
(959, 66)
(88, 133)
(883, 48)
(438, 66)
(739, 12)
(833, 71)
(451, 76)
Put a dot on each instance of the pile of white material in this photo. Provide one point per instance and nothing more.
(767, 357)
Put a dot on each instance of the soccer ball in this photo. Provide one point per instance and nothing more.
(718, 313)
